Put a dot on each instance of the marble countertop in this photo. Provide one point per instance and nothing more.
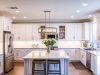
(57, 54)
(95, 52)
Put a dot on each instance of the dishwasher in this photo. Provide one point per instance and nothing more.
(88, 60)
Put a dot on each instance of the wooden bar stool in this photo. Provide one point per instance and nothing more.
(53, 62)
(38, 71)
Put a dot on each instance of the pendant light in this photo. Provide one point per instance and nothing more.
(47, 29)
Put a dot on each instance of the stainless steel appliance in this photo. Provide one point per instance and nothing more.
(88, 60)
(51, 36)
(8, 51)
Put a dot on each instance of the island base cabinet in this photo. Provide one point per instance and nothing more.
(28, 67)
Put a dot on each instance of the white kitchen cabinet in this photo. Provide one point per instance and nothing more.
(78, 31)
(19, 32)
(1, 64)
(20, 53)
(93, 63)
(74, 31)
(70, 32)
(83, 57)
(86, 31)
(5, 23)
(36, 34)
(29, 32)
(73, 54)
(25, 32)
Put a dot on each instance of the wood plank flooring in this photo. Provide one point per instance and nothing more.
(19, 70)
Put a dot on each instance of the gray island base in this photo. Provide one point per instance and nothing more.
(58, 54)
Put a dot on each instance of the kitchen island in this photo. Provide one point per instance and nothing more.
(56, 54)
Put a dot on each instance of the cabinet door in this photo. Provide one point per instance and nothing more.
(86, 31)
(7, 22)
(29, 34)
(71, 54)
(1, 65)
(83, 57)
(70, 32)
(78, 31)
(19, 31)
(93, 63)
(77, 54)
(36, 34)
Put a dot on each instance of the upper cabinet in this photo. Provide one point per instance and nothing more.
(5, 23)
(89, 31)
(19, 32)
(29, 32)
(86, 31)
(35, 33)
(74, 31)
(25, 32)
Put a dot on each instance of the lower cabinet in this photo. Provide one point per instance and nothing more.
(93, 63)
(20, 53)
(1, 64)
(83, 57)
(74, 54)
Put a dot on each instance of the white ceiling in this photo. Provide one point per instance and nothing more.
(60, 9)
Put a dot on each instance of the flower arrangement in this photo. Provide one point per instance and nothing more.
(49, 42)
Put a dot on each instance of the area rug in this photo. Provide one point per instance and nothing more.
(78, 65)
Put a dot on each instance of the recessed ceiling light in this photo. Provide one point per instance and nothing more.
(90, 16)
(78, 11)
(25, 17)
(72, 17)
(85, 4)
(14, 17)
(17, 11)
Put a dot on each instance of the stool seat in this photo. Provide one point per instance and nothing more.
(53, 62)
(38, 62)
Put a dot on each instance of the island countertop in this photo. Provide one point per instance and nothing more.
(54, 54)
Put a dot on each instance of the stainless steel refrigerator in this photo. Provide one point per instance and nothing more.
(8, 51)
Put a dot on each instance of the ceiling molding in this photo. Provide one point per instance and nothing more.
(51, 21)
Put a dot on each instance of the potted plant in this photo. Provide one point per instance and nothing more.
(49, 43)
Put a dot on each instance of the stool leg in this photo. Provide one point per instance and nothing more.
(60, 68)
(48, 69)
(33, 67)
(44, 68)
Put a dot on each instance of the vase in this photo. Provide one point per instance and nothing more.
(49, 48)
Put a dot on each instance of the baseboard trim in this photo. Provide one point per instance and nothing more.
(74, 60)
(19, 61)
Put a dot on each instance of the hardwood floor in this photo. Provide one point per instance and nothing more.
(19, 70)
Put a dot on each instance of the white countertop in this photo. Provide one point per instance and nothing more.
(97, 53)
(57, 54)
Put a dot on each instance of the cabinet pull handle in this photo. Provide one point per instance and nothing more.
(17, 54)
(18, 37)
(67, 53)
(8, 27)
